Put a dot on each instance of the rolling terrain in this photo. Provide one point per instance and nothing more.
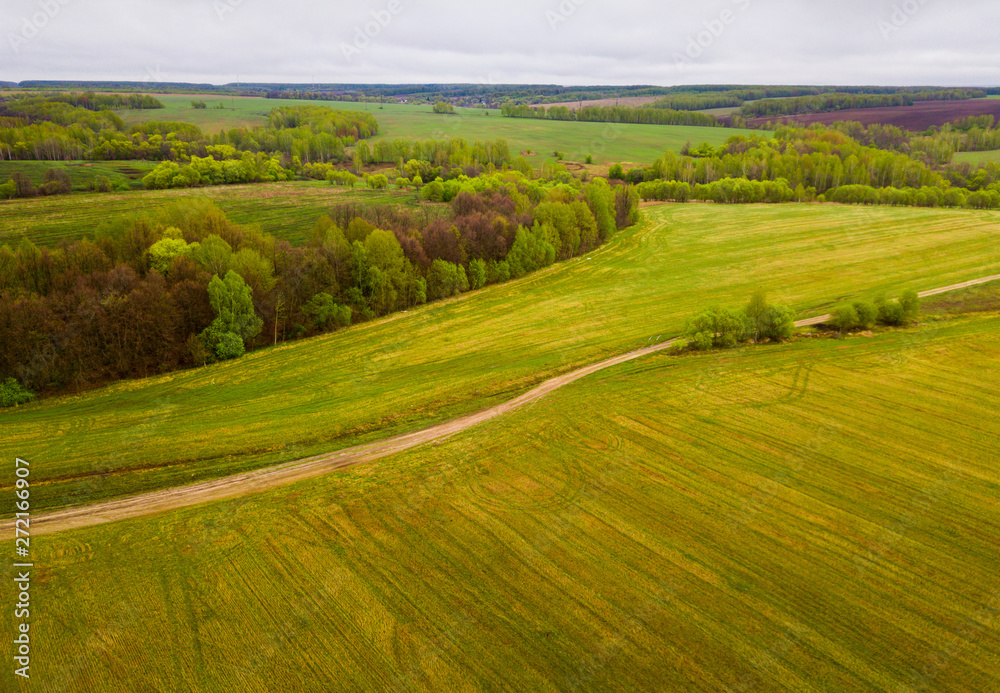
(262, 480)
(809, 517)
(916, 118)
(285, 210)
(537, 139)
(460, 356)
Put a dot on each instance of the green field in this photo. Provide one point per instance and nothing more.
(81, 173)
(819, 516)
(285, 210)
(607, 143)
(977, 158)
(445, 359)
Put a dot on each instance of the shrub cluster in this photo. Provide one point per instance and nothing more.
(863, 315)
(724, 328)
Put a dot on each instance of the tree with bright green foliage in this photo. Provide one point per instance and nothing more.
(236, 320)
(723, 328)
(717, 327)
(601, 199)
(446, 279)
(910, 302)
(443, 107)
(530, 251)
(901, 312)
(163, 252)
(863, 315)
(386, 268)
(867, 314)
(477, 274)
(343, 178)
(845, 318)
(433, 191)
(378, 181)
(12, 393)
(326, 314)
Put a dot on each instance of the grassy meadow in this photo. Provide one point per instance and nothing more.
(977, 158)
(285, 210)
(82, 174)
(817, 516)
(434, 363)
(538, 139)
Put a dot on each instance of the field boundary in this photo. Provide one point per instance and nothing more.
(266, 479)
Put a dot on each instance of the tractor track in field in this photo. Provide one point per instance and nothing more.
(260, 480)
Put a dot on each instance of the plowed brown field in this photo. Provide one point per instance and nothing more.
(916, 118)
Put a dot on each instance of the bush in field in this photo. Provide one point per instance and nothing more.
(378, 182)
(778, 324)
(910, 302)
(768, 321)
(889, 312)
(344, 178)
(718, 327)
(867, 314)
(901, 312)
(101, 184)
(56, 182)
(863, 315)
(443, 107)
(845, 319)
(13, 393)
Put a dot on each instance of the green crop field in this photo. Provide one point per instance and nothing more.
(818, 516)
(977, 158)
(412, 369)
(285, 210)
(638, 144)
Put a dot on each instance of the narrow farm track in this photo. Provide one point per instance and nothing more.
(265, 479)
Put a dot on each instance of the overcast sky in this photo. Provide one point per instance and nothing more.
(571, 42)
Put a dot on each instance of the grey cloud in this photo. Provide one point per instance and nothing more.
(552, 41)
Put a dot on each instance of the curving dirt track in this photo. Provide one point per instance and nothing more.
(273, 477)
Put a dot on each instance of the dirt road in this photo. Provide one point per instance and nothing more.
(273, 477)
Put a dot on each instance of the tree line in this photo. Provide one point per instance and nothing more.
(56, 131)
(611, 114)
(186, 286)
(814, 163)
(825, 103)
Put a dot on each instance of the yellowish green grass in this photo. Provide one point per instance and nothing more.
(445, 359)
(288, 211)
(819, 516)
(82, 174)
(639, 144)
(977, 158)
